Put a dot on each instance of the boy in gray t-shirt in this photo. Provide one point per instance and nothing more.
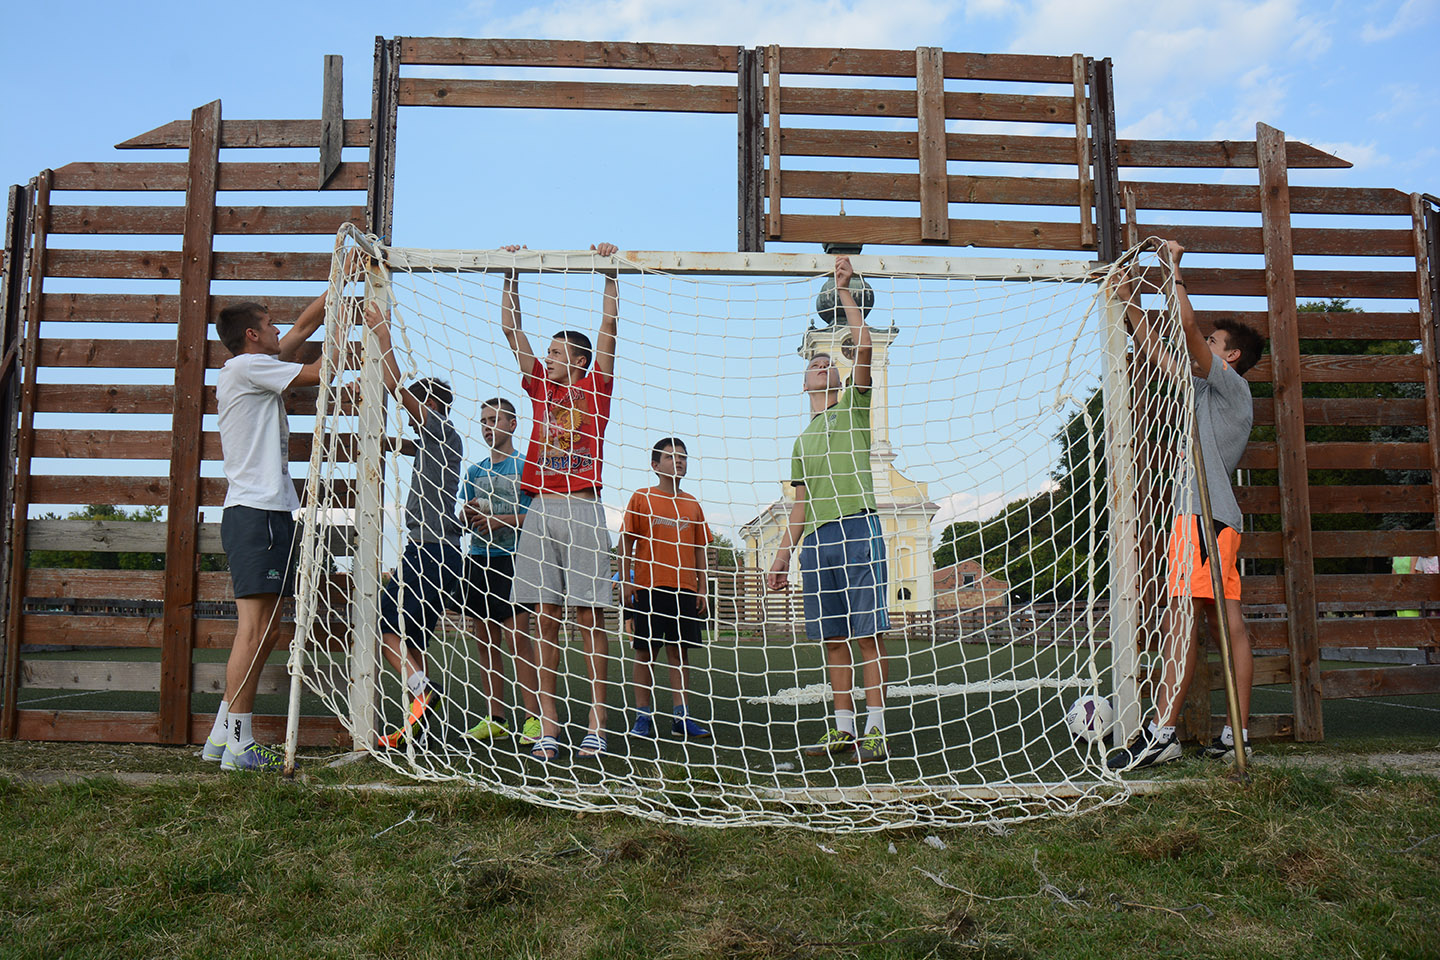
(1224, 413)
(428, 581)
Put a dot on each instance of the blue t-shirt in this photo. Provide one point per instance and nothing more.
(498, 485)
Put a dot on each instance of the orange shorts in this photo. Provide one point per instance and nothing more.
(1187, 553)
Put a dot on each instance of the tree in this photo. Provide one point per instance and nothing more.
(110, 560)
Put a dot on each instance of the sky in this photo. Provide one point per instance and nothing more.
(1349, 78)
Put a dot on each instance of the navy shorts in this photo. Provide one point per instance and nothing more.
(261, 549)
(489, 580)
(843, 578)
(417, 596)
(665, 615)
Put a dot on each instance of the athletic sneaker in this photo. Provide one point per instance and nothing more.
(834, 742)
(530, 732)
(419, 708)
(488, 728)
(684, 726)
(871, 747)
(213, 751)
(253, 757)
(1145, 750)
(644, 724)
(1218, 749)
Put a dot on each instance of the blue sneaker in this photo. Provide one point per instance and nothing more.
(253, 757)
(683, 726)
(644, 724)
(213, 751)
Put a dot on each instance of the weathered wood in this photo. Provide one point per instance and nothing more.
(1344, 543)
(269, 220)
(1132, 220)
(151, 308)
(80, 444)
(332, 118)
(1222, 153)
(750, 173)
(1348, 368)
(772, 131)
(241, 134)
(1307, 242)
(78, 630)
(930, 110)
(1347, 412)
(143, 677)
(978, 233)
(1105, 152)
(1327, 326)
(849, 185)
(158, 354)
(1336, 456)
(1384, 590)
(113, 536)
(165, 265)
(1085, 192)
(53, 583)
(103, 726)
(1341, 499)
(1352, 632)
(22, 484)
(145, 491)
(158, 398)
(458, 52)
(130, 177)
(902, 145)
(13, 271)
(1309, 284)
(1430, 357)
(1381, 681)
(384, 116)
(1235, 197)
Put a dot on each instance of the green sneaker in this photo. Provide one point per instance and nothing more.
(530, 732)
(488, 729)
(871, 747)
(833, 743)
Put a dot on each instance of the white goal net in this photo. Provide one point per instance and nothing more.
(1023, 466)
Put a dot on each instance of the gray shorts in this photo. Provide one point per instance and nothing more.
(563, 556)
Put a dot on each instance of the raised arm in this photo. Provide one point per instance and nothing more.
(306, 324)
(1195, 343)
(605, 342)
(780, 569)
(510, 319)
(859, 332)
(379, 323)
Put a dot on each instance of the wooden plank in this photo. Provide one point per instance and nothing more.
(242, 134)
(157, 354)
(1104, 157)
(849, 185)
(1344, 543)
(958, 66)
(79, 630)
(67, 584)
(1337, 456)
(332, 118)
(165, 265)
(1085, 194)
(103, 726)
(1406, 681)
(1359, 325)
(1382, 590)
(149, 491)
(13, 272)
(772, 132)
(1235, 197)
(143, 677)
(1307, 242)
(1300, 586)
(930, 110)
(1353, 632)
(750, 159)
(81, 444)
(1430, 357)
(902, 145)
(267, 220)
(148, 308)
(1221, 153)
(458, 52)
(1350, 368)
(978, 233)
(113, 536)
(1347, 412)
(1309, 284)
(1341, 499)
(22, 483)
(157, 398)
(139, 177)
(565, 95)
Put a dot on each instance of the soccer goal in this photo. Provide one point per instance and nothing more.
(1024, 469)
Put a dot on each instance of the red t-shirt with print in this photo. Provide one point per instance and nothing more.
(568, 438)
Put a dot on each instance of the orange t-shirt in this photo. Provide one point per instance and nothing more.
(667, 530)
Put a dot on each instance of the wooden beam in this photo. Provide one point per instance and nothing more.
(1221, 153)
(148, 491)
(1336, 455)
(1431, 358)
(1341, 499)
(960, 188)
(13, 276)
(1406, 681)
(750, 133)
(23, 493)
(165, 265)
(1344, 543)
(1336, 412)
(332, 118)
(249, 134)
(113, 536)
(566, 95)
(1239, 198)
(902, 145)
(772, 129)
(1299, 555)
(160, 398)
(141, 177)
(977, 233)
(930, 111)
(144, 308)
(249, 221)
(458, 52)
(1085, 198)
(1352, 632)
(1309, 284)
(103, 726)
(1348, 368)
(1106, 162)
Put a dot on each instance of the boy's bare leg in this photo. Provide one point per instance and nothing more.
(597, 663)
(1180, 656)
(842, 671)
(875, 669)
(642, 678)
(679, 673)
(526, 666)
(255, 635)
(403, 659)
(1242, 659)
(492, 668)
(551, 615)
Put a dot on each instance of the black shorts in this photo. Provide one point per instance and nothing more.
(663, 615)
(262, 550)
(488, 581)
(417, 595)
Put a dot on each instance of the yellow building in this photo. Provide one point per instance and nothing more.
(903, 504)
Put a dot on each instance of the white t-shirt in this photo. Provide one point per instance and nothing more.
(255, 431)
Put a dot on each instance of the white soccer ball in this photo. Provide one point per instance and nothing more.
(1090, 718)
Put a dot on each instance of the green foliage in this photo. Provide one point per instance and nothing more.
(725, 552)
(109, 560)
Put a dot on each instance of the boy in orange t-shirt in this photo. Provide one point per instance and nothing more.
(663, 539)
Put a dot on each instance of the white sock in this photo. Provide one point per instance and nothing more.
(875, 720)
(845, 721)
(220, 731)
(1227, 736)
(417, 682)
(1161, 733)
(240, 734)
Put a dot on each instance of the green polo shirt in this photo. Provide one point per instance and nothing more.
(831, 460)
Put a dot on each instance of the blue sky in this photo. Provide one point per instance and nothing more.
(1348, 77)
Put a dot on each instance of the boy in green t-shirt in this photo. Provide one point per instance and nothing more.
(842, 562)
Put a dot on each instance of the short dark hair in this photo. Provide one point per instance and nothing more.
(235, 319)
(579, 341)
(660, 445)
(1242, 337)
(501, 404)
(433, 388)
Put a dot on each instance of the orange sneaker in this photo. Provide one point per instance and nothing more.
(418, 707)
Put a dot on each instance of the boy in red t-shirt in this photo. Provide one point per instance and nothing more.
(663, 538)
(563, 554)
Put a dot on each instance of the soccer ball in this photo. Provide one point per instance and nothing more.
(831, 312)
(1090, 718)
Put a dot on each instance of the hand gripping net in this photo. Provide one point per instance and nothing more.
(1012, 430)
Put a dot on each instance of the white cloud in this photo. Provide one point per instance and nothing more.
(1410, 14)
(965, 505)
(1364, 156)
(1407, 102)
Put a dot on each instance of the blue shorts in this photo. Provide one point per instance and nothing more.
(843, 578)
(430, 574)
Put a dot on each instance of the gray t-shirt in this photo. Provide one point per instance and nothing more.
(430, 509)
(1224, 413)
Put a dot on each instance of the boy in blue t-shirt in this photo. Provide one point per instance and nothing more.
(493, 508)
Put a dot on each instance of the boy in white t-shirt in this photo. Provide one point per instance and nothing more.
(257, 527)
